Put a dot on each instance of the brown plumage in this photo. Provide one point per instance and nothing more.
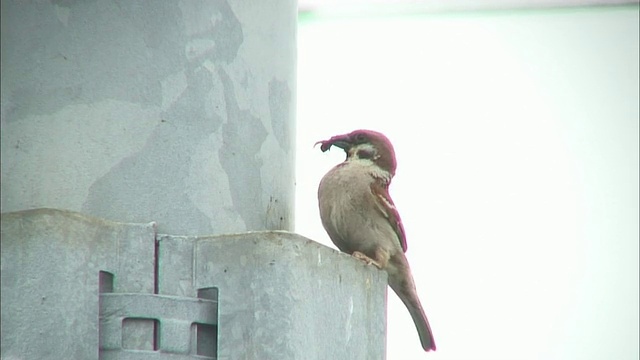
(361, 218)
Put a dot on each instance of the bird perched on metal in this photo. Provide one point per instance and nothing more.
(361, 219)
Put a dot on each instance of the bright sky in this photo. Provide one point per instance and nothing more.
(517, 142)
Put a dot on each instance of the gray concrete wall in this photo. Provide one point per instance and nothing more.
(178, 112)
(51, 262)
(256, 295)
(281, 296)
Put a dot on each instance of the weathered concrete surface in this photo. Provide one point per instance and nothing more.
(50, 266)
(177, 111)
(255, 295)
(281, 296)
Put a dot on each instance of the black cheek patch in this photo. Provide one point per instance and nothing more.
(365, 154)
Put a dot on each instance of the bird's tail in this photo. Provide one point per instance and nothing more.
(402, 283)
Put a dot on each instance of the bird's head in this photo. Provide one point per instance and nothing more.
(365, 145)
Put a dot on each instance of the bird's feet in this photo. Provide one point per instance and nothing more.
(367, 260)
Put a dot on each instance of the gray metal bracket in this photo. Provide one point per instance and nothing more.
(177, 324)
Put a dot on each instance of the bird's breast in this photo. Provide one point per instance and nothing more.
(349, 212)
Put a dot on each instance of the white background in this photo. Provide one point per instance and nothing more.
(516, 135)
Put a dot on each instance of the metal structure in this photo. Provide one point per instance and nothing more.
(79, 287)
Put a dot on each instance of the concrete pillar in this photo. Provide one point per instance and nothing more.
(281, 296)
(79, 287)
(176, 111)
(54, 265)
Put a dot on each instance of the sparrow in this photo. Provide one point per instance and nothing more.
(361, 218)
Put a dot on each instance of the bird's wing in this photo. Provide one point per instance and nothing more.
(388, 209)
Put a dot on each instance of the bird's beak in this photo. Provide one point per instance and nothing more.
(341, 141)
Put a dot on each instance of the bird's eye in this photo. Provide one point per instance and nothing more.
(360, 138)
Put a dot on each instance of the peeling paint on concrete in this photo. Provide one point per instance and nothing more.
(162, 110)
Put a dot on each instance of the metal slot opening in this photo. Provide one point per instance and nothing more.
(105, 282)
(139, 333)
(206, 334)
